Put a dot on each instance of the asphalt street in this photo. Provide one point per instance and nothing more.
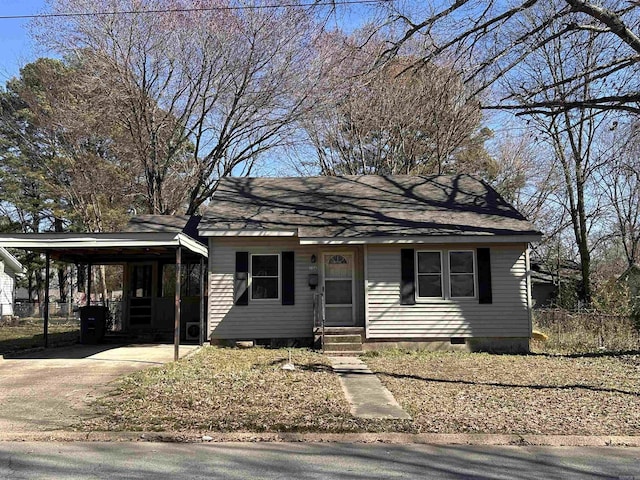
(327, 461)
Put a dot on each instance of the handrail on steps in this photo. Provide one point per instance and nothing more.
(318, 316)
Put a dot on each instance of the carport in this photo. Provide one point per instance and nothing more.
(147, 244)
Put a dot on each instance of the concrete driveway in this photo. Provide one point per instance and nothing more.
(52, 389)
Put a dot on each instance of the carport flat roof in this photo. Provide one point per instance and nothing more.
(103, 246)
(144, 237)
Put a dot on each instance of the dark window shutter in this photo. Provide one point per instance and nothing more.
(408, 277)
(241, 280)
(484, 275)
(288, 278)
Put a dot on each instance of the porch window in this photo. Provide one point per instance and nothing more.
(429, 274)
(190, 285)
(462, 274)
(265, 276)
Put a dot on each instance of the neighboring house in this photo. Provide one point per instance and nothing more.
(439, 259)
(544, 286)
(631, 277)
(10, 267)
(544, 290)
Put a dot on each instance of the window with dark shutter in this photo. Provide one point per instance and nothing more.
(241, 279)
(461, 274)
(288, 278)
(430, 274)
(407, 277)
(484, 275)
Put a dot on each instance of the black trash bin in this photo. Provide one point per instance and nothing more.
(93, 321)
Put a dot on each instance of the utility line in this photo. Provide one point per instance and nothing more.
(187, 10)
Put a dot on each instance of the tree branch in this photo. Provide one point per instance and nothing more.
(610, 18)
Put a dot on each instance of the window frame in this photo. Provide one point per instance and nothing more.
(279, 277)
(190, 286)
(474, 274)
(442, 286)
(445, 277)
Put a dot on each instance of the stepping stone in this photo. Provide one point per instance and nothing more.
(364, 391)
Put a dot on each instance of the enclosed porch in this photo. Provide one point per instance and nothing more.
(163, 274)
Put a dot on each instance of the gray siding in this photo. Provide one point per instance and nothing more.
(507, 316)
(259, 319)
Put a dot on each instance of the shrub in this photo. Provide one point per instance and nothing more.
(585, 332)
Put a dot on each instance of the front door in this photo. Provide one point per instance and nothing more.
(140, 294)
(338, 289)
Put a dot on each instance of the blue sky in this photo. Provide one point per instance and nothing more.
(16, 47)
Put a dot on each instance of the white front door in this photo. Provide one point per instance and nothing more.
(338, 289)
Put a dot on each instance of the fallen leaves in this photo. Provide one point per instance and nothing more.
(230, 390)
(537, 394)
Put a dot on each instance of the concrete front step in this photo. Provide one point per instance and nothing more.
(345, 353)
(340, 340)
(339, 330)
(343, 339)
(341, 347)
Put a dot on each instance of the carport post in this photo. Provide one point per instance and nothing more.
(46, 298)
(202, 290)
(88, 284)
(176, 332)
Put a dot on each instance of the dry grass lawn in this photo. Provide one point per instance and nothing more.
(536, 394)
(225, 390)
(14, 338)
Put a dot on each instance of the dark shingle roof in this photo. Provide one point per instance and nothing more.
(164, 224)
(363, 206)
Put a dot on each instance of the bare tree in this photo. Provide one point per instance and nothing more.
(493, 39)
(394, 120)
(520, 180)
(225, 85)
(619, 178)
(572, 135)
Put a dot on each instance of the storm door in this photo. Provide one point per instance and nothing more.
(338, 289)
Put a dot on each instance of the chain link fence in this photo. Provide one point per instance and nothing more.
(582, 332)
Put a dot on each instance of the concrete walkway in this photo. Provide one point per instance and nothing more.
(364, 391)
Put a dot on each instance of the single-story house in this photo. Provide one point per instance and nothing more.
(10, 267)
(438, 259)
(358, 261)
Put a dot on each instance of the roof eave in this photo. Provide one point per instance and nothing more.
(11, 261)
(432, 239)
(60, 241)
(247, 233)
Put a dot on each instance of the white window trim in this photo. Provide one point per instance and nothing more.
(417, 275)
(250, 282)
(445, 278)
(474, 273)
